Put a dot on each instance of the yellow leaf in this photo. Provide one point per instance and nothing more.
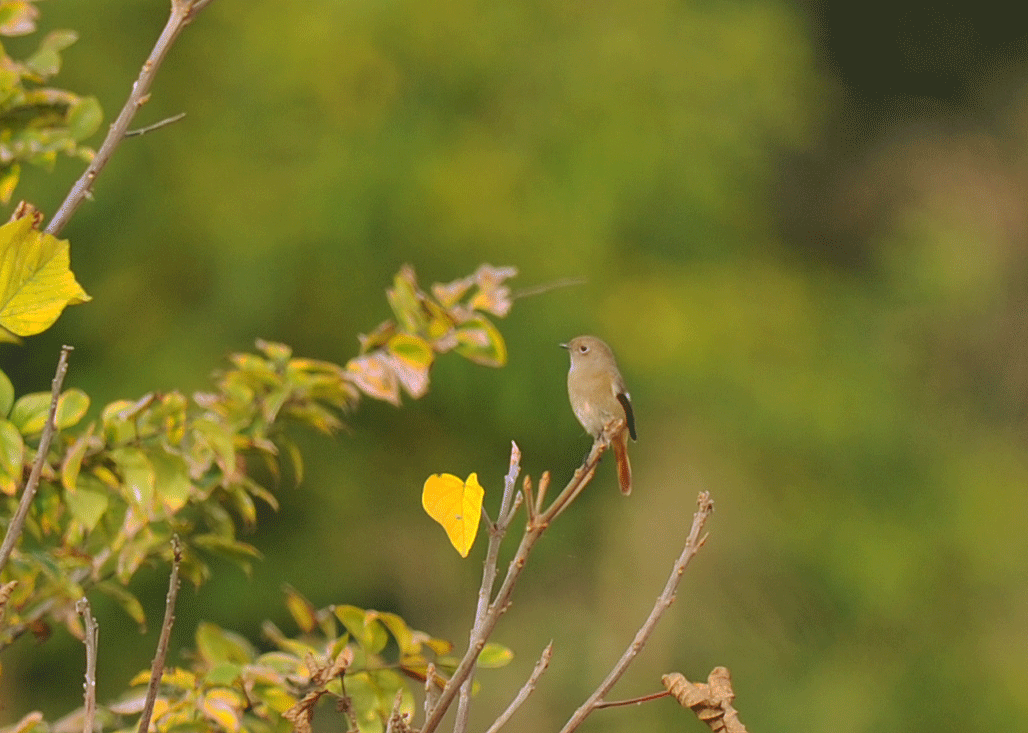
(36, 282)
(455, 504)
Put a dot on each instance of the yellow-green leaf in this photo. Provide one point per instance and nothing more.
(6, 394)
(494, 655)
(36, 282)
(214, 645)
(301, 609)
(455, 504)
(480, 341)
(412, 358)
(88, 501)
(12, 456)
(72, 463)
(71, 407)
(30, 411)
(224, 707)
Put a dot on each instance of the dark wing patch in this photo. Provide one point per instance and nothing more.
(629, 415)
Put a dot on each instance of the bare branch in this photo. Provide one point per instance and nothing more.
(15, 527)
(157, 668)
(91, 638)
(182, 12)
(156, 126)
(526, 689)
(692, 545)
(496, 534)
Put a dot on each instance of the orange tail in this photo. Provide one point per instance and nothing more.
(620, 443)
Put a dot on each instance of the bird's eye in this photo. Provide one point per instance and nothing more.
(584, 349)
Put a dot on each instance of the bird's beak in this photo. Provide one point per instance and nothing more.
(564, 346)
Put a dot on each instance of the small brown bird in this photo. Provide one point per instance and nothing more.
(599, 397)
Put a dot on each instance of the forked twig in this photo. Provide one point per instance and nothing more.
(14, 528)
(157, 668)
(692, 545)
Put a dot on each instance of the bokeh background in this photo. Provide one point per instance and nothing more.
(801, 226)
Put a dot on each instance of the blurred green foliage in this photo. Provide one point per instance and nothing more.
(860, 426)
(38, 121)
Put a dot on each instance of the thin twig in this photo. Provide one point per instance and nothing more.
(526, 689)
(91, 638)
(157, 668)
(155, 126)
(501, 601)
(692, 545)
(547, 287)
(632, 700)
(15, 527)
(496, 534)
(182, 12)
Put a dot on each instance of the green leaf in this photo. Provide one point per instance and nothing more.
(36, 283)
(12, 457)
(401, 632)
(495, 655)
(137, 476)
(46, 61)
(230, 549)
(403, 299)
(84, 118)
(171, 480)
(364, 627)
(215, 645)
(71, 407)
(88, 501)
(301, 609)
(128, 602)
(6, 394)
(30, 411)
(72, 463)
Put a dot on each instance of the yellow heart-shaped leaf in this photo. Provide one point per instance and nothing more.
(455, 504)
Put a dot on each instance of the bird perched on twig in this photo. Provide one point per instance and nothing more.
(599, 398)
